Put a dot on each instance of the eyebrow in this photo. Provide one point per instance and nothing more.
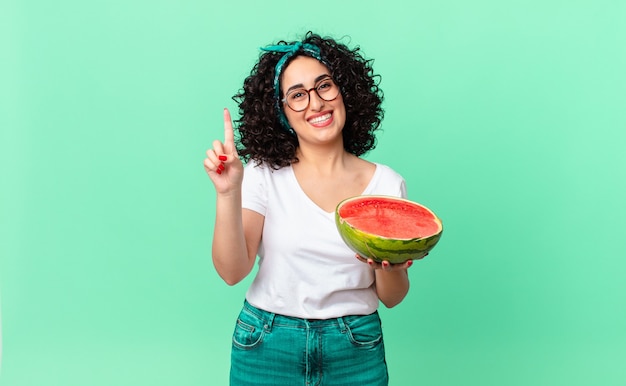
(300, 85)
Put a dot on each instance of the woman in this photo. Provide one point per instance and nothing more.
(308, 110)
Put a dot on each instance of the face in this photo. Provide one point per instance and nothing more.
(321, 120)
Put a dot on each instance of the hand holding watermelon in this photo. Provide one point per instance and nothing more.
(385, 265)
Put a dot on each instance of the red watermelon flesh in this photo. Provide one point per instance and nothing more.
(391, 219)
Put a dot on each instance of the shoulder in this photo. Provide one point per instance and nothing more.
(260, 182)
(362, 167)
(253, 167)
(264, 172)
(388, 172)
(388, 181)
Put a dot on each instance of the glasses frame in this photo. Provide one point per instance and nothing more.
(308, 94)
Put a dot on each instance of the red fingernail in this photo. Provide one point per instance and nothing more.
(222, 158)
(218, 171)
(370, 262)
(221, 167)
(385, 264)
(409, 263)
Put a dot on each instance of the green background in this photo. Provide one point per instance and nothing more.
(507, 118)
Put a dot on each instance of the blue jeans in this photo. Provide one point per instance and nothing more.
(270, 349)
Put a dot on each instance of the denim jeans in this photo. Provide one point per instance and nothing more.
(270, 349)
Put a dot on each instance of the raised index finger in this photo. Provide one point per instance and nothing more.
(229, 136)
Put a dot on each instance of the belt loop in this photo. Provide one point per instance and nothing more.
(342, 324)
(269, 321)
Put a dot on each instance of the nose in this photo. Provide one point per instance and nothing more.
(315, 101)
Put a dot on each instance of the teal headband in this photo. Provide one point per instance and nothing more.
(289, 51)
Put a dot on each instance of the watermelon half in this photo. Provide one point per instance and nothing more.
(387, 228)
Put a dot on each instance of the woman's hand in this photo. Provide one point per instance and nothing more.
(385, 265)
(222, 163)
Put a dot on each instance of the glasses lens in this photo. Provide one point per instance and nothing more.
(327, 90)
(298, 99)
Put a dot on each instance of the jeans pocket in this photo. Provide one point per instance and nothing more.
(249, 331)
(364, 331)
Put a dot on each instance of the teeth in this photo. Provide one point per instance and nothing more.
(320, 118)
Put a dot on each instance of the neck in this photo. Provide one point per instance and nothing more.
(322, 161)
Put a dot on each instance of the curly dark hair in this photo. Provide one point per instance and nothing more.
(261, 136)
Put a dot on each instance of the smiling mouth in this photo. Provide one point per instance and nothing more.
(321, 119)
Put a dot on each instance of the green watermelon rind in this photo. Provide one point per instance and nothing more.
(379, 248)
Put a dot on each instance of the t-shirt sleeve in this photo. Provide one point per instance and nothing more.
(390, 183)
(253, 188)
(403, 192)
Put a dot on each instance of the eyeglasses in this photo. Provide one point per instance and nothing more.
(299, 98)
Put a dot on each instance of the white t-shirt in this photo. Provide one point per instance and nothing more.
(305, 268)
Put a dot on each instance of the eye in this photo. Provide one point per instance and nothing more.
(297, 95)
(325, 85)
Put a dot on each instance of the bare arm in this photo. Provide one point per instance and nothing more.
(392, 280)
(392, 286)
(236, 239)
(237, 231)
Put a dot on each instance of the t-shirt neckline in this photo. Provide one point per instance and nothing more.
(317, 207)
